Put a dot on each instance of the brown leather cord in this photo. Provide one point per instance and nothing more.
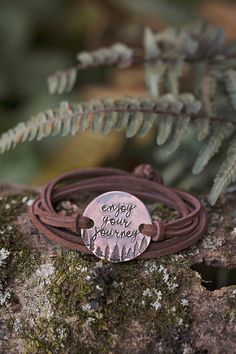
(144, 183)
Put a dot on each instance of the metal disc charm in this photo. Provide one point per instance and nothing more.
(115, 235)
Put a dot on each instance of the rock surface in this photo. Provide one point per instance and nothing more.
(54, 300)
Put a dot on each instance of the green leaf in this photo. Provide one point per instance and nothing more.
(230, 82)
(134, 123)
(226, 174)
(181, 128)
(164, 129)
(203, 128)
(210, 149)
(153, 71)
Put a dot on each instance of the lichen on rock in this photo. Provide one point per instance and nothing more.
(55, 300)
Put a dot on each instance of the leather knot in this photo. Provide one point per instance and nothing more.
(82, 222)
(156, 230)
(160, 231)
(148, 172)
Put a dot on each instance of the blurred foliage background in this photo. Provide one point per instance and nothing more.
(40, 37)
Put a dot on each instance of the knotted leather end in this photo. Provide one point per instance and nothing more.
(148, 172)
(82, 222)
(156, 230)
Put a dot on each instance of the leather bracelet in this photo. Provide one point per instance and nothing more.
(116, 225)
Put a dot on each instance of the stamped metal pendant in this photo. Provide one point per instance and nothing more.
(115, 235)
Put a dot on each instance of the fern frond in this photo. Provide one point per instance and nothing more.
(165, 53)
(185, 104)
(170, 103)
(64, 80)
(208, 90)
(135, 119)
(191, 106)
(148, 118)
(153, 71)
(109, 119)
(181, 128)
(193, 42)
(154, 74)
(203, 128)
(164, 129)
(174, 73)
(230, 82)
(98, 115)
(134, 124)
(118, 54)
(147, 123)
(176, 44)
(210, 149)
(123, 114)
(210, 39)
(226, 174)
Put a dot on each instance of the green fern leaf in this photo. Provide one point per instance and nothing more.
(97, 107)
(136, 115)
(191, 106)
(166, 121)
(153, 77)
(62, 81)
(181, 128)
(135, 118)
(41, 127)
(230, 82)
(203, 128)
(208, 91)
(109, 118)
(148, 117)
(174, 72)
(98, 122)
(210, 149)
(75, 123)
(66, 117)
(109, 122)
(165, 125)
(226, 174)
(119, 54)
(31, 129)
(87, 114)
(123, 116)
(134, 124)
(153, 71)
(147, 123)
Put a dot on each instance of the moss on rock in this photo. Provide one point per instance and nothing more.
(85, 305)
(21, 260)
(63, 302)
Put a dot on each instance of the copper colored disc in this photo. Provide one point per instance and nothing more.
(115, 235)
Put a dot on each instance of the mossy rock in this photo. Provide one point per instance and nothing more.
(54, 300)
